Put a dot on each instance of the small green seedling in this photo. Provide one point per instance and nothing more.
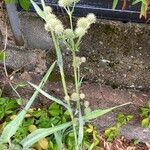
(8, 107)
(145, 114)
(114, 131)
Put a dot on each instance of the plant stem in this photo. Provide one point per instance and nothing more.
(60, 64)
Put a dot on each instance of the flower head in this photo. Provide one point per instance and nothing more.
(47, 9)
(51, 24)
(80, 32)
(83, 23)
(65, 3)
(91, 17)
(68, 33)
(59, 29)
(49, 16)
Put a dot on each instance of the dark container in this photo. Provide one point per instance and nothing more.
(102, 9)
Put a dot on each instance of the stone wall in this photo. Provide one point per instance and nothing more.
(117, 53)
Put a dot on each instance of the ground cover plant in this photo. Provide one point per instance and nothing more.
(74, 127)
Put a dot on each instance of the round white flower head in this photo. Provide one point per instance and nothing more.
(49, 16)
(59, 29)
(86, 104)
(64, 3)
(83, 23)
(83, 59)
(82, 95)
(68, 33)
(91, 17)
(67, 98)
(53, 23)
(74, 97)
(47, 9)
(80, 32)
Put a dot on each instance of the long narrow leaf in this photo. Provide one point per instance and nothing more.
(38, 9)
(115, 2)
(81, 130)
(40, 134)
(101, 112)
(13, 126)
(49, 96)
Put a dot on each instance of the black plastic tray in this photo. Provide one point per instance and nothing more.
(102, 9)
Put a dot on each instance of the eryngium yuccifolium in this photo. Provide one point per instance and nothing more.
(83, 23)
(74, 97)
(59, 29)
(47, 10)
(68, 33)
(51, 24)
(91, 17)
(80, 31)
(65, 3)
(49, 16)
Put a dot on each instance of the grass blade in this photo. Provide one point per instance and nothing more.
(38, 9)
(115, 2)
(100, 112)
(41, 133)
(49, 96)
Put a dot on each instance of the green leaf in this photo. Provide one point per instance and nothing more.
(49, 96)
(115, 2)
(145, 122)
(13, 126)
(136, 1)
(10, 1)
(25, 4)
(38, 9)
(2, 56)
(81, 130)
(54, 109)
(40, 134)
(101, 112)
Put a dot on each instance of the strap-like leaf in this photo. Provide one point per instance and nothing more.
(49, 96)
(13, 126)
(38, 9)
(100, 112)
(40, 134)
(115, 2)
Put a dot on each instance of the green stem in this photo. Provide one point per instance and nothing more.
(60, 64)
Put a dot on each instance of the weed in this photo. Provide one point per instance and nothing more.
(145, 114)
(113, 132)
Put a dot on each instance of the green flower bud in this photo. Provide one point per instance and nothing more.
(80, 32)
(77, 62)
(83, 23)
(86, 104)
(91, 17)
(87, 110)
(82, 95)
(68, 33)
(59, 29)
(74, 97)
